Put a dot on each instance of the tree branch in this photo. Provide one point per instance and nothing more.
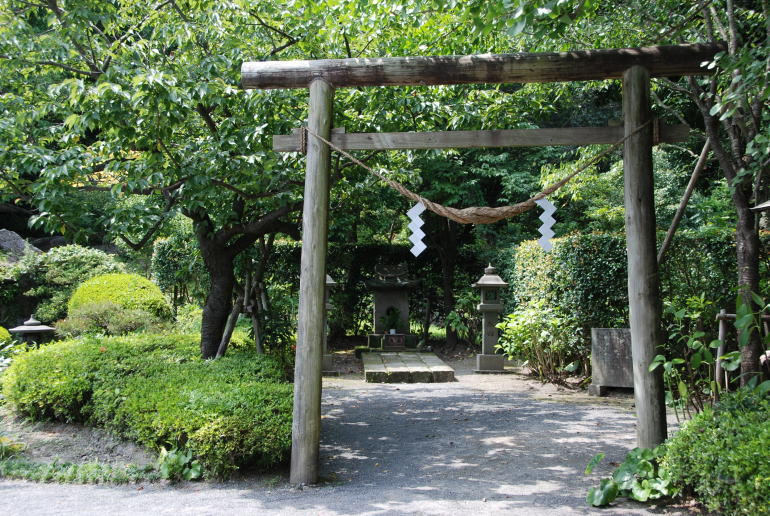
(254, 228)
(271, 27)
(205, 113)
(171, 201)
(59, 13)
(72, 69)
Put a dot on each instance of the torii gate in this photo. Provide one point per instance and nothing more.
(634, 65)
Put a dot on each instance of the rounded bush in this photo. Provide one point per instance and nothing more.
(5, 335)
(129, 291)
(721, 456)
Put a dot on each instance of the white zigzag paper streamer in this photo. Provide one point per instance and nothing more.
(548, 222)
(415, 225)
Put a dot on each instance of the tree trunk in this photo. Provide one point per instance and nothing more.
(427, 321)
(747, 247)
(217, 307)
(232, 320)
(220, 266)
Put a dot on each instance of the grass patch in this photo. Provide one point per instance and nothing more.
(72, 473)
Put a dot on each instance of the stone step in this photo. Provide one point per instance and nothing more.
(405, 367)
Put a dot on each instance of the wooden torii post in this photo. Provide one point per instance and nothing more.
(635, 66)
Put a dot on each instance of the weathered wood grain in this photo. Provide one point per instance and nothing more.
(306, 423)
(643, 281)
(479, 139)
(581, 65)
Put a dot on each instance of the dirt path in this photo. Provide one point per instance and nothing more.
(486, 444)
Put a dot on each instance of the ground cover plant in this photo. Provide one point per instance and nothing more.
(231, 413)
(68, 472)
(719, 457)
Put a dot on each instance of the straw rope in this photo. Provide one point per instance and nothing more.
(478, 214)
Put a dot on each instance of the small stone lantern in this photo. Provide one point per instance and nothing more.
(33, 331)
(327, 358)
(490, 307)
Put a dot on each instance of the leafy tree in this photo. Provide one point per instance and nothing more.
(732, 103)
(143, 99)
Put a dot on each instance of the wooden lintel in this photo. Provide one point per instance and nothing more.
(478, 139)
(582, 65)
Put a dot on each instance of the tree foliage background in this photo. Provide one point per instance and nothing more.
(117, 116)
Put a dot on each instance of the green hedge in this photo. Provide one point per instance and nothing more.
(129, 291)
(722, 456)
(585, 275)
(5, 335)
(232, 413)
(583, 280)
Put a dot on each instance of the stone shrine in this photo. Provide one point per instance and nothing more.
(391, 305)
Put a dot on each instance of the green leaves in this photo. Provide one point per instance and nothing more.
(604, 494)
(595, 460)
(177, 464)
(640, 477)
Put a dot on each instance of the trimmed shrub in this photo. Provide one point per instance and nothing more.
(106, 318)
(721, 456)
(44, 282)
(129, 291)
(231, 413)
(5, 335)
(583, 282)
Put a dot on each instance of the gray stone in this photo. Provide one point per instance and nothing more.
(391, 293)
(47, 243)
(489, 362)
(611, 364)
(387, 300)
(14, 246)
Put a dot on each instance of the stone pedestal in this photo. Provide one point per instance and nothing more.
(488, 359)
(394, 342)
(327, 364)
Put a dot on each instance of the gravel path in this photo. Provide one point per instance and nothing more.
(486, 444)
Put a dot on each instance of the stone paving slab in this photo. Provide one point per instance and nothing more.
(404, 367)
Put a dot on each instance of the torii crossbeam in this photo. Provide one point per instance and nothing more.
(634, 65)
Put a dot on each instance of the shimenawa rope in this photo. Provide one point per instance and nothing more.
(478, 214)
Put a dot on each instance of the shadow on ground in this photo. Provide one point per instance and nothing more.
(482, 445)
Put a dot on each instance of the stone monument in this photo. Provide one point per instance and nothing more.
(328, 367)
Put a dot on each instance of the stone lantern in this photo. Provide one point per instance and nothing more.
(327, 358)
(33, 331)
(490, 285)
